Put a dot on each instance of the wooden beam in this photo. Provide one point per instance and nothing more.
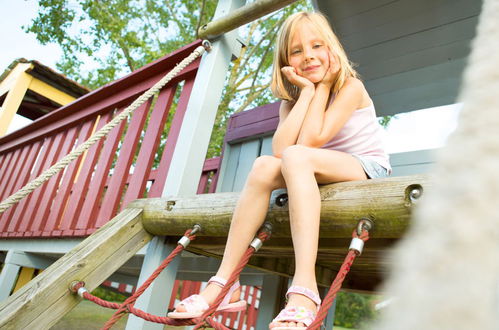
(44, 300)
(241, 16)
(13, 100)
(387, 202)
(50, 92)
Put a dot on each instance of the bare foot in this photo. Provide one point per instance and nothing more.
(210, 293)
(296, 300)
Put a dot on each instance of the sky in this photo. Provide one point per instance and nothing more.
(423, 129)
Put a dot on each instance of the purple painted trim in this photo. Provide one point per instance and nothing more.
(261, 120)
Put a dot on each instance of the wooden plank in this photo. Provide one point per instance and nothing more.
(6, 217)
(16, 174)
(84, 176)
(44, 300)
(249, 151)
(25, 275)
(412, 169)
(385, 201)
(149, 146)
(57, 219)
(52, 185)
(22, 224)
(267, 146)
(31, 213)
(339, 9)
(413, 157)
(5, 168)
(122, 168)
(91, 205)
(229, 174)
(9, 177)
(440, 35)
(401, 18)
(171, 142)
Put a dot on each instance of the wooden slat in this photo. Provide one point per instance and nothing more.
(229, 174)
(31, 213)
(91, 205)
(6, 217)
(6, 157)
(166, 158)
(149, 146)
(80, 189)
(250, 150)
(22, 224)
(9, 179)
(121, 170)
(68, 139)
(44, 300)
(16, 180)
(56, 218)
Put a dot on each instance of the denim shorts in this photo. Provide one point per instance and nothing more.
(373, 170)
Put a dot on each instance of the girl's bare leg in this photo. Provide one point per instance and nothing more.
(248, 216)
(303, 168)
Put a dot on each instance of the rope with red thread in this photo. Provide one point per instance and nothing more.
(131, 300)
(338, 281)
(262, 236)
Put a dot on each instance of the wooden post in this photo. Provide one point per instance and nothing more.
(45, 299)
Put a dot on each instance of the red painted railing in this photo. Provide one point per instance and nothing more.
(113, 172)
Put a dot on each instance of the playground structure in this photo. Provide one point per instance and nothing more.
(343, 203)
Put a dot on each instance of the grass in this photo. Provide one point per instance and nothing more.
(88, 316)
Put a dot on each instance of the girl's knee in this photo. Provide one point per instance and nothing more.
(265, 170)
(295, 157)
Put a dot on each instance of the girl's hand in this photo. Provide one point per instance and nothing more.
(293, 77)
(332, 71)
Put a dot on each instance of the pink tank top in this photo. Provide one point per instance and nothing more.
(362, 135)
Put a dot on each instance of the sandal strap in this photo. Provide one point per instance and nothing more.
(305, 292)
(296, 314)
(217, 280)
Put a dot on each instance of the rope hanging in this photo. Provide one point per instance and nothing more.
(104, 131)
(359, 236)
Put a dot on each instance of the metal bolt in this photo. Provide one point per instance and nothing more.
(281, 200)
(364, 224)
(415, 194)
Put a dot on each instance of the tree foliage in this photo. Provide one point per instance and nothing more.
(103, 40)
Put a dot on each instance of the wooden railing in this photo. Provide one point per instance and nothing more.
(128, 164)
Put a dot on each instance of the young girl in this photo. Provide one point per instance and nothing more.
(327, 133)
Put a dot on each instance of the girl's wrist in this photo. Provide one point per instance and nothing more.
(308, 90)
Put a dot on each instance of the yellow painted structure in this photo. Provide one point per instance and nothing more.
(14, 88)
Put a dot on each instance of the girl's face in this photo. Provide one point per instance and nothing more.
(308, 53)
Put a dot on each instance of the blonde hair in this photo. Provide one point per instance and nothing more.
(280, 86)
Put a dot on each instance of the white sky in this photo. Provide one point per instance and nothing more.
(423, 129)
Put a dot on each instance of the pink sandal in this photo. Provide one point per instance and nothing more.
(196, 305)
(298, 314)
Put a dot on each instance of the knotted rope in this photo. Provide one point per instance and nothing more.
(338, 281)
(204, 320)
(104, 131)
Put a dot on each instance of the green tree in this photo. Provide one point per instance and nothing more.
(119, 36)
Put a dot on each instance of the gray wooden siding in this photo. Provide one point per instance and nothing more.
(240, 156)
(410, 53)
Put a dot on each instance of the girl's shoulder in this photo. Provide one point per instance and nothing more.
(358, 90)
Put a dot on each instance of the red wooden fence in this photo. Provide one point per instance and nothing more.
(115, 171)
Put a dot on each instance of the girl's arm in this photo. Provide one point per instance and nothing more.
(321, 126)
(291, 116)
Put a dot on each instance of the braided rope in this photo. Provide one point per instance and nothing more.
(104, 131)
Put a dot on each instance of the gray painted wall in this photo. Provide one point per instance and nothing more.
(410, 53)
